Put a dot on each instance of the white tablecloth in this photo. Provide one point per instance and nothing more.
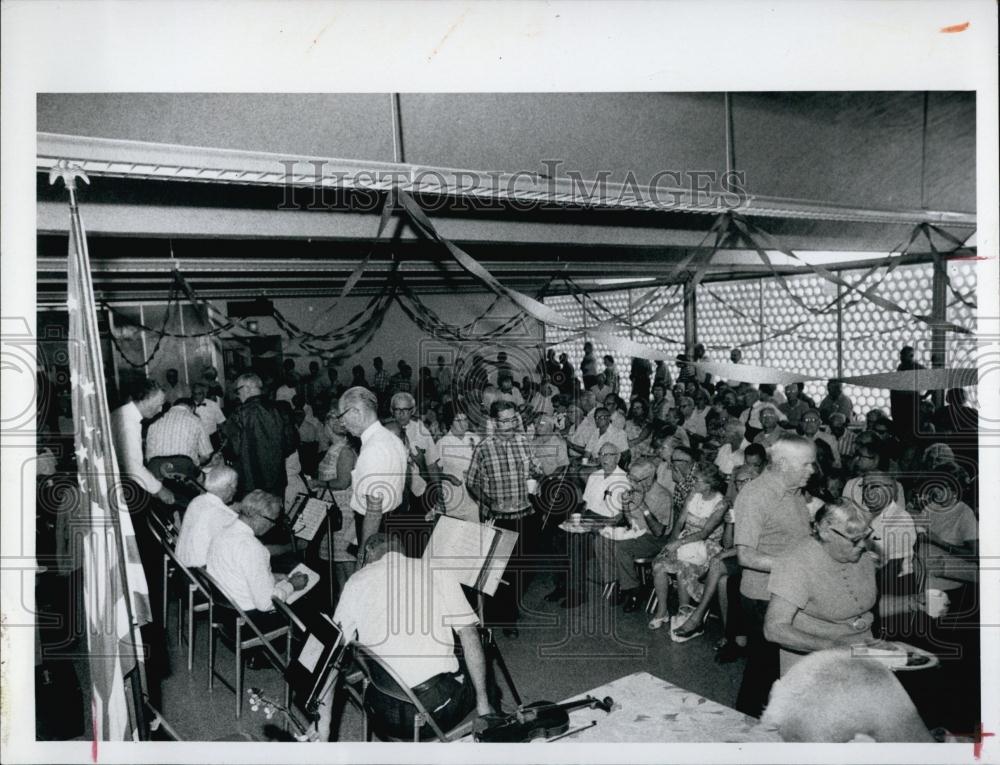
(653, 710)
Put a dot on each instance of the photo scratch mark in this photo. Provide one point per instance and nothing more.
(447, 34)
(955, 28)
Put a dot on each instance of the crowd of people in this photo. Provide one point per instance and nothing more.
(806, 525)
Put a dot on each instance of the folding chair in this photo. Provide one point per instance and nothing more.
(231, 626)
(376, 673)
(166, 536)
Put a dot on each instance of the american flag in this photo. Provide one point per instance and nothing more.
(116, 597)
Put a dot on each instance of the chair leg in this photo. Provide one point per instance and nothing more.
(190, 615)
(652, 602)
(211, 647)
(364, 712)
(288, 663)
(609, 590)
(239, 668)
(418, 720)
(166, 590)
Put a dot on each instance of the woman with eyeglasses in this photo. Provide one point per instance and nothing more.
(823, 590)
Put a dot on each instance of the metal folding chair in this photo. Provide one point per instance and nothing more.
(166, 535)
(231, 626)
(376, 673)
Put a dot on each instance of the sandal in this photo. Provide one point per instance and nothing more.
(658, 621)
(684, 637)
(690, 631)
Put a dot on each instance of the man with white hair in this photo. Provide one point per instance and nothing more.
(424, 458)
(771, 516)
(239, 562)
(833, 697)
(206, 516)
(378, 480)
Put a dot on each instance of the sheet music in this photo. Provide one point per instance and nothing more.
(311, 575)
(309, 520)
(497, 563)
(311, 653)
(461, 546)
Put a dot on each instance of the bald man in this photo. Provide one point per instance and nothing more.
(207, 515)
(832, 697)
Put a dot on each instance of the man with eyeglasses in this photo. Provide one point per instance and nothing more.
(647, 506)
(498, 480)
(258, 437)
(771, 517)
(423, 456)
(378, 480)
(240, 563)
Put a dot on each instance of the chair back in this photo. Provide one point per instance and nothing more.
(385, 680)
(166, 535)
(220, 598)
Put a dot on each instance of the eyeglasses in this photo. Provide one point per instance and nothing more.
(638, 478)
(506, 420)
(680, 462)
(341, 415)
(856, 541)
(403, 409)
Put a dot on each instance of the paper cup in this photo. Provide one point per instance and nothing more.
(575, 518)
(532, 486)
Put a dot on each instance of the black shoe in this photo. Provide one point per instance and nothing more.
(631, 605)
(730, 652)
(511, 632)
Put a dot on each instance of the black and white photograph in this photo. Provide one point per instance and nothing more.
(389, 374)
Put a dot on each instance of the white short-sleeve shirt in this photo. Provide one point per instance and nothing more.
(380, 469)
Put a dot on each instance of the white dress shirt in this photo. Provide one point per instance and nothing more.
(408, 624)
(126, 432)
(603, 494)
(210, 414)
(205, 517)
(612, 435)
(380, 469)
(418, 437)
(241, 565)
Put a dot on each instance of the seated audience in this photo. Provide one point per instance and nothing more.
(949, 531)
(694, 539)
(835, 401)
(606, 433)
(548, 446)
(730, 454)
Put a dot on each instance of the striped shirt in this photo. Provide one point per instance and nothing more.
(499, 474)
(380, 382)
(178, 432)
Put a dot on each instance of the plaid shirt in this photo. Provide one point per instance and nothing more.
(499, 474)
(380, 382)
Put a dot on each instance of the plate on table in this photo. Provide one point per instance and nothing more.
(897, 656)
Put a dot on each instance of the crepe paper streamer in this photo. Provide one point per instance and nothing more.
(918, 379)
(750, 230)
(531, 306)
(726, 370)
(626, 347)
(388, 207)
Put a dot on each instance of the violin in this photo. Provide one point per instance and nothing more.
(542, 719)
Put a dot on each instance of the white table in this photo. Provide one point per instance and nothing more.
(649, 709)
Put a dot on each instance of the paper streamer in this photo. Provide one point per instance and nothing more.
(726, 370)
(918, 379)
(538, 310)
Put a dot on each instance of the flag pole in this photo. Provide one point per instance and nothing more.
(108, 488)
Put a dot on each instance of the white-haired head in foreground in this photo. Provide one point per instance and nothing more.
(833, 697)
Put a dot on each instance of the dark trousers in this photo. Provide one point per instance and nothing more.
(502, 609)
(449, 697)
(762, 667)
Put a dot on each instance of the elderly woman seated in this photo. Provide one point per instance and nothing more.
(823, 589)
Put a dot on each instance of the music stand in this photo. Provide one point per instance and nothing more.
(333, 522)
(322, 650)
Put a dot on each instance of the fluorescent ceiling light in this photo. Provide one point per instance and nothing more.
(623, 280)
